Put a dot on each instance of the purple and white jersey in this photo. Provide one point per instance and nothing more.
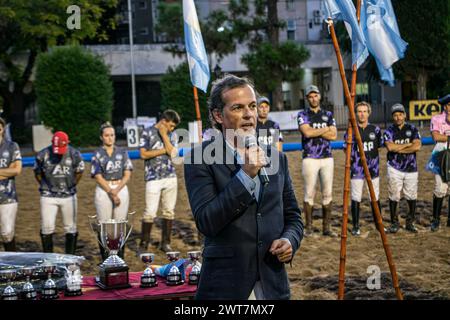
(110, 167)
(160, 167)
(58, 172)
(405, 162)
(266, 132)
(372, 140)
(9, 153)
(318, 147)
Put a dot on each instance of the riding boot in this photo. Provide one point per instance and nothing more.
(437, 207)
(411, 216)
(71, 242)
(165, 235)
(355, 218)
(47, 242)
(395, 226)
(326, 222)
(308, 209)
(146, 229)
(11, 245)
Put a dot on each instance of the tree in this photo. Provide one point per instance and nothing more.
(74, 93)
(30, 27)
(425, 25)
(177, 94)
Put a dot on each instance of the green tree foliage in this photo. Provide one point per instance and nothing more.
(425, 25)
(74, 93)
(28, 27)
(177, 94)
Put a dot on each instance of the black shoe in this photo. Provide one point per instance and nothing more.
(435, 226)
(356, 231)
(394, 227)
(411, 228)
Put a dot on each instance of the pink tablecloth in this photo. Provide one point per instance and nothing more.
(92, 292)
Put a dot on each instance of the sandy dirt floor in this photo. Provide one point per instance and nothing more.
(422, 260)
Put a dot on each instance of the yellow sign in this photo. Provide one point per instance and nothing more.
(423, 109)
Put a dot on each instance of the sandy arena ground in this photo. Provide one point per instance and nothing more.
(422, 260)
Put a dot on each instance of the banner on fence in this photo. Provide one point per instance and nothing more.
(423, 109)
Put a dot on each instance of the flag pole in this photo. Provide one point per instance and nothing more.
(364, 162)
(348, 152)
(197, 112)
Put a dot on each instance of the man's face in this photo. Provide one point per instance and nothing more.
(263, 110)
(399, 118)
(362, 114)
(240, 111)
(170, 125)
(314, 100)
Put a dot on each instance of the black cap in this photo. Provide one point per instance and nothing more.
(444, 100)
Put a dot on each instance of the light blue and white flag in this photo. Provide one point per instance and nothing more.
(345, 10)
(195, 49)
(383, 40)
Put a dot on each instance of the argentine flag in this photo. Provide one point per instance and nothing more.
(345, 10)
(195, 49)
(380, 28)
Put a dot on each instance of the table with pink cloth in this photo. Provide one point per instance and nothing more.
(92, 292)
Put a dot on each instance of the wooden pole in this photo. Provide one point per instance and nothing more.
(197, 112)
(348, 152)
(364, 162)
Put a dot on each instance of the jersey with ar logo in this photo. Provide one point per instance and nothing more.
(405, 162)
(9, 153)
(372, 140)
(110, 167)
(317, 147)
(58, 172)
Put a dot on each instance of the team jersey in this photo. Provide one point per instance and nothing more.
(58, 172)
(267, 132)
(405, 162)
(9, 153)
(438, 123)
(372, 140)
(318, 147)
(160, 167)
(110, 167)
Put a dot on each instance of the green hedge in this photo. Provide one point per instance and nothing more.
(74, 93)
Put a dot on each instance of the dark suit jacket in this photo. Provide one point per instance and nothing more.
(239, 231)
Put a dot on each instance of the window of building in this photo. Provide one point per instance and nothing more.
(290, 5)
(291, 35)
(143, 31)
(142, 5)
(291, 26)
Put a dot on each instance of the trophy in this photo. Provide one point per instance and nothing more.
(9, 293)
(73, 280)
(148, 278)
(194, 273)
(174, 277)
(49, 290)
(28, 290)
(113, 272)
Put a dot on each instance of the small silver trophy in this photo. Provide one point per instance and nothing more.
(73, 280)
(49, 290)
(9, 293)
(174, 277)
(28, 290)
(148, 278)
(113, 272)
(195, 265)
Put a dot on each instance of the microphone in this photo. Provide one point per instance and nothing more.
(250, 141)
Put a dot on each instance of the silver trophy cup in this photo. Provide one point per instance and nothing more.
(174, 278)
(28, 290)
(49, 290)
(148, 278)
(112, 236)
(73, 280)
(195, 265)
(9, 293)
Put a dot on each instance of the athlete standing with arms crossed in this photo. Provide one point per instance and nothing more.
(111, 168)
(318, 128)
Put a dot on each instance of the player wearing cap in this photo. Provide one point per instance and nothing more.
(440, 131)
(157, 147)
(58, 169)
(267, 130)
(111, 168)
(318, 128)
(372, 140)
(10, 166)
(402, 141)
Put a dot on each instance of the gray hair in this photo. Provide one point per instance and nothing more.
(219, 86)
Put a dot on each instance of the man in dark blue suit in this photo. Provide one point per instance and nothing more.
(251, 228)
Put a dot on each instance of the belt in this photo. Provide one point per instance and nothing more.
(114, 182)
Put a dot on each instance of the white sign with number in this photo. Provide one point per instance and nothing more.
(132, 136)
